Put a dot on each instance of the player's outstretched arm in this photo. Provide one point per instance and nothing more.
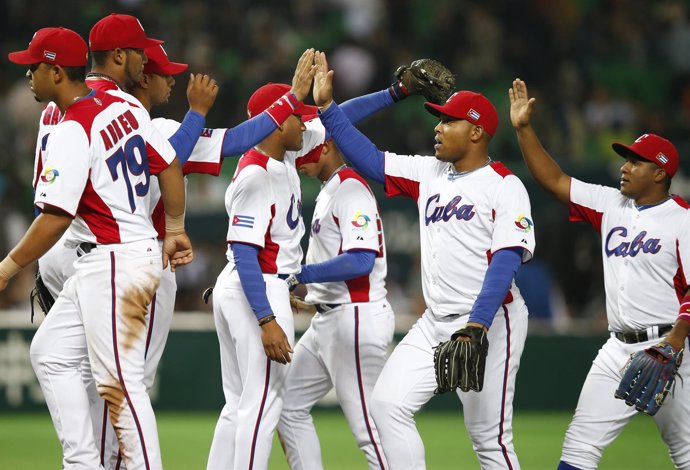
(177, 248)
(356, 147)
(43, 233)
(544, 169)
(201, 94)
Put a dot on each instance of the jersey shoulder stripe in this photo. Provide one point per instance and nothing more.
(85, 111)
(251, 158)
(500, 169)
(349, 173)
(681, 202)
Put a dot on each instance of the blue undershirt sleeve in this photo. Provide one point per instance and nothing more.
(355, 146)
(346, 266)
(497, 281)
(362, 107)
(184, 140)
(247, 263)
(244, 136)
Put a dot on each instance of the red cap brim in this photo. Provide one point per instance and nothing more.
(23, 58)
(305, 110)
(171, 68)
(625, 151)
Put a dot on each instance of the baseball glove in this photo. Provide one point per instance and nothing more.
(41, 293)
(648, 377)
(298, 304)
(427, 77)
(461, 363)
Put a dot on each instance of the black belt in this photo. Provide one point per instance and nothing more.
(640, 336)
(323, 308)
(283, 276)
(85, 248)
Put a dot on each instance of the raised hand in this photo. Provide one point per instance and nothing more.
(521, 104)
(201, 93)
(304, 74)
(323, 81)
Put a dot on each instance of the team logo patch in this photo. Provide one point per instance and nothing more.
(49, 175)
(207, 132)
(524, 224)
(360, 221)
(49, 55)
(662, 158)
(246, 221)
(473, 114)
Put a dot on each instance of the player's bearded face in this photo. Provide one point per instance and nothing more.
(134, 65)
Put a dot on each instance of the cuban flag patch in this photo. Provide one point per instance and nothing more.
(48, 55)
(246, 221)
(662, 158)
(473, 114)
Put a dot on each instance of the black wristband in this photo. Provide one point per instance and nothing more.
(266, 319)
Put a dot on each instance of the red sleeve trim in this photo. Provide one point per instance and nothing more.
(398, 186)
(580, 213)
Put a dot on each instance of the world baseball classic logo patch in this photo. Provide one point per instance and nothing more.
(246, 221)
(49, 175)
(360, 221)
(524, 224)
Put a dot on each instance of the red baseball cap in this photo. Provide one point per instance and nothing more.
(470, 106)
(652, 148)
(160, 64)
(117, 31)
(264, 97)
(58, 46)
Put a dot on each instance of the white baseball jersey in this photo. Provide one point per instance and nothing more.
(264, 202)
(644, 251)
(463, 220)
(112, 184)
(206, 158)
(50, 116)
(346, 218)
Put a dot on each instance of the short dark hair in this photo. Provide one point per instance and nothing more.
(99, 57)
(75, 74)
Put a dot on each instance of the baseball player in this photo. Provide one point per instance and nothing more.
(206, 156)
(99, 179)
(645, 234)
(250, 303)
(476, 230)
(347, 342)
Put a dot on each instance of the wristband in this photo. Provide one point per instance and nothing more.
(282, 108)
(174, 224)
(267, 319)
(398, 91)
(9, 268)
(684, 311)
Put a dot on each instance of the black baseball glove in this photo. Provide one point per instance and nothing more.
(41, 293)
(427, 77)
(648, 377)
(461, 363)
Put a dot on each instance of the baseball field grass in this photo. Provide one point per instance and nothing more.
(28, 442)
